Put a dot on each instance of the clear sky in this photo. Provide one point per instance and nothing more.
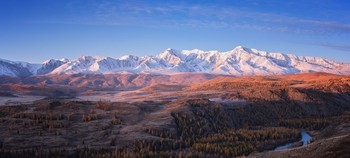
(36, 30)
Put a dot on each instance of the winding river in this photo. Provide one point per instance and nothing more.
(305, 138)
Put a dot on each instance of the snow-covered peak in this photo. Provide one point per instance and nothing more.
(49, 65)
(239, 61)
(15, 69)
(129, 57)
(170, 52)
(239, 47)
(86, 58)
(53, 61)
(64, 60)
(172, 56)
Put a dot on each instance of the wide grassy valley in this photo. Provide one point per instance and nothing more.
(221, 117)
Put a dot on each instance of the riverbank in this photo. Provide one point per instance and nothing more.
(305, 139)
(335, 145)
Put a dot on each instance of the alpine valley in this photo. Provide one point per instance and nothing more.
(188, 103)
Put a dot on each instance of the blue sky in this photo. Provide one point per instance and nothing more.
(37, 30)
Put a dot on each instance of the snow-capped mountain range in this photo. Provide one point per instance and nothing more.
(240, 61)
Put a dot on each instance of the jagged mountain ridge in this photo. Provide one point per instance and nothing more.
(240, 61)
